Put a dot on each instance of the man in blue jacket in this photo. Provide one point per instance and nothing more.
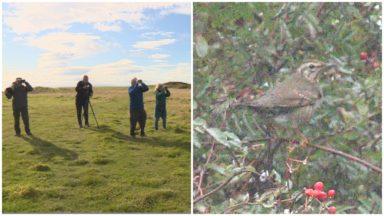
(136, 106)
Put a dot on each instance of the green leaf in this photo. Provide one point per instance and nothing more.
(277, 176)
(201, 46)
(199, 122)
(362, 107)
(226, 138)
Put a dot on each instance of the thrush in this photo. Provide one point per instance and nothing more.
(295, 99)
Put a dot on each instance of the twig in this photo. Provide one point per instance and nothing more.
(256, 202)
(294, 199)
(320, 10)
(217, 188)
(234, 157)
(256, 140)
(351, 157)
(203, 168)
(322, 139)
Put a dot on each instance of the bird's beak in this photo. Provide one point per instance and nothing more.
(334, 71)
(329, 68)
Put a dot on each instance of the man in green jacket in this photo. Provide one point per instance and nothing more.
(161, 109)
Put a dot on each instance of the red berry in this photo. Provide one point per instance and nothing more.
(315, 193)
(319, 186)
(375, 65)
(331, 193)
(363, 55)
(309, 192)
(332, 210)
(321, 195)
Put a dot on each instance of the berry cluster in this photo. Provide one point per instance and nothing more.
(318, 192)
(370, 59)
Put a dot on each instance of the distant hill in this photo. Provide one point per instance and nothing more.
(39, 89)
(178, 85)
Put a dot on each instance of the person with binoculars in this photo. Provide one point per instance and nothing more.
(19, 92)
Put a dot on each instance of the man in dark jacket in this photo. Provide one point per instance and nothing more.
(19, 92)
(136, 107)
(84, 92)
(161, 105)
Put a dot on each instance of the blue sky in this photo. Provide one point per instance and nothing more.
(54, 44)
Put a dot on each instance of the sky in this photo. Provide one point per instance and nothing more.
(55, 44)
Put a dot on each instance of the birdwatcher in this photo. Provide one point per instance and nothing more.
(136, 107)
(162, 93)
(19, 92)
(84, 92)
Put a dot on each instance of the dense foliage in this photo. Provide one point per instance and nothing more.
(240, 51)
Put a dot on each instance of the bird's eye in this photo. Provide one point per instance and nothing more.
(311, 66)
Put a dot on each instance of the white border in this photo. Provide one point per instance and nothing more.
(191, 69)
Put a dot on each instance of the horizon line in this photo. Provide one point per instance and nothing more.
(94, 86)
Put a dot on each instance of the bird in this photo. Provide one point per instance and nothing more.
(294, 100)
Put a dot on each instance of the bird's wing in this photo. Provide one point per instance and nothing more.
(288, 94)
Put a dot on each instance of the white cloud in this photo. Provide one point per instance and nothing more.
(45, 26)
(108, 27)
(154, 34)
(62, 47)
(180, 72)
(32, 18)
(118, 73)
(115, 73)
(153, 44)
(159, 56)
(177, 9)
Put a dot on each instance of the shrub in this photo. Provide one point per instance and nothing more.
(240, 51)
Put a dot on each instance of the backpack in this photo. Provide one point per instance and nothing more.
(8, 92)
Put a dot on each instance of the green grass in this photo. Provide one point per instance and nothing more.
(66, 169)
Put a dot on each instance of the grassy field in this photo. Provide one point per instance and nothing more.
(66, 169)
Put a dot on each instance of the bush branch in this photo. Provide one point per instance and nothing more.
(217, 188)
(203, 169)
(348, 156)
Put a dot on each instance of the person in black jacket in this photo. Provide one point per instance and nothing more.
(19, 91)
(84, 92)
